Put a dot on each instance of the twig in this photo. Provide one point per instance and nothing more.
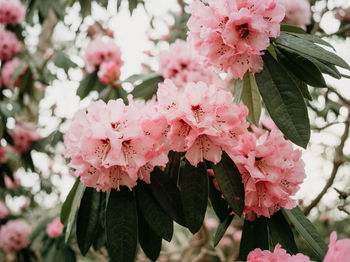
(328, 125)
(340, 31)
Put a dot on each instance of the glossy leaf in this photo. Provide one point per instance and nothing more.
(147, 88)
(219, 204)
(292, 29)
(251, 98)
(194, 190)
(121, 225)
(284, 101)
(312, 38)
(221, 230)
(230, 183)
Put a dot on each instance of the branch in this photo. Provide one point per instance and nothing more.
(337, 162)
(340, 31)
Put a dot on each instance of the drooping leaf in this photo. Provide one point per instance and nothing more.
(167, 195)
(16, 73)
(87, 84)
(67, 205)
(221, 230)
(147, 88)
(160, 222)
(219, 204)
(193, 184)
(251, 98)
(312, 38)
(325, 68)
(121, 225)
(292, 29)
(87, 221)
(173, 166)
(63, 61)
(284, 101)
(254, 235)
(230, 183)
(307, 230)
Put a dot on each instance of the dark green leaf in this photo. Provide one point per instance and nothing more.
(230, 183)
(150, 242)
(292, 29)
(312, 38)
(254, 235)
(17, 73)
(280, 232)
(141, 77)
(87, 84)
(219, 204)
(160, 222)
(307, 230)
(193, 184)
(173, 166)
(284, 101)
(67, 205)
(121, 225)
(63, 61)
(87, 221)
(119, 2)
(220, 232)
(132, 5)
(147, 88)
(168, 195)
(251, 98)
(325, 68)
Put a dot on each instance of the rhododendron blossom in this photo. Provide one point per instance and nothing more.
(181, 64)
(279, 254)
(271, 172)
(14, 235)
(266, 125)
(23, 135)
(9, 45)
(12, 184)
(55, 228)
(101, 50)
(231, 34)
(111, 145)
(298, 12)
(3, 210)
(3, 154)
(342, 14)
(202, 118)
(9, 68)
(11, 12)
(338, 250)
(109, 72)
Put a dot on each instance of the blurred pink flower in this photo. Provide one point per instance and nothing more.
(55, 228)
(11, 12)
(9, 68)
(237, 236)
(211, 223)
(14, 236)
(3, 154)
(109, 72)
(298, 12)
(342, 14)
(226, 241)
(338, 250)
(23, 135)
(3, 210)
(12, 184)
(9, 45)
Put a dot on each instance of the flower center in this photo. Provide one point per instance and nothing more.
(244, 31)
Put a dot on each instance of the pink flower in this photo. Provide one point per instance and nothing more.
(225, 242)
(9, 45)
(23, 135)
(111, 145)
(98, 30)
(298, 12)
(55, 228)
(3, 154)
(231, 34)
(109, 72)
(342, 14)
(278, 254)
(10, 184)
(211, 223)
(338, 251)
(14, 236)
(11, 12)
(101, 50)
(266, 125)
(237, 236)
(201, 119)
(182, 65)
(9, 68)
(271, 171)
(3, 210)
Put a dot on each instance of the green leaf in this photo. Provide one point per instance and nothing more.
(284, 101)
(87, 84)
(325, 68)
(167, 195)
(87, 221)
(73, 211)
(17, 73)
(121, 225)
(150, 242)
(254, 235)
(292, 29)
(140, 77)
(193, 184)
(119, 2)
(306, 47)
(221, 230)
(307, 230)
(67, 205)
(219, 204)
(63, 61)
(301, 67)
(160, 222)
(132, 5)
(280, 232)
(312, 38)
(147, 88)
(251, 98)
(230, 183)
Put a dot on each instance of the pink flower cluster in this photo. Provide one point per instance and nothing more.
(14, 236)
(3, 210)
(113, 144)
(182, 65)
(338, 251)
(23, 135)
(279, 254)
(11, 12)
(232, 34)
(55, 228)
(9, 45)
(342, 14)
(104, 53)
(298, 12)
(12, 184)
(9, 68)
